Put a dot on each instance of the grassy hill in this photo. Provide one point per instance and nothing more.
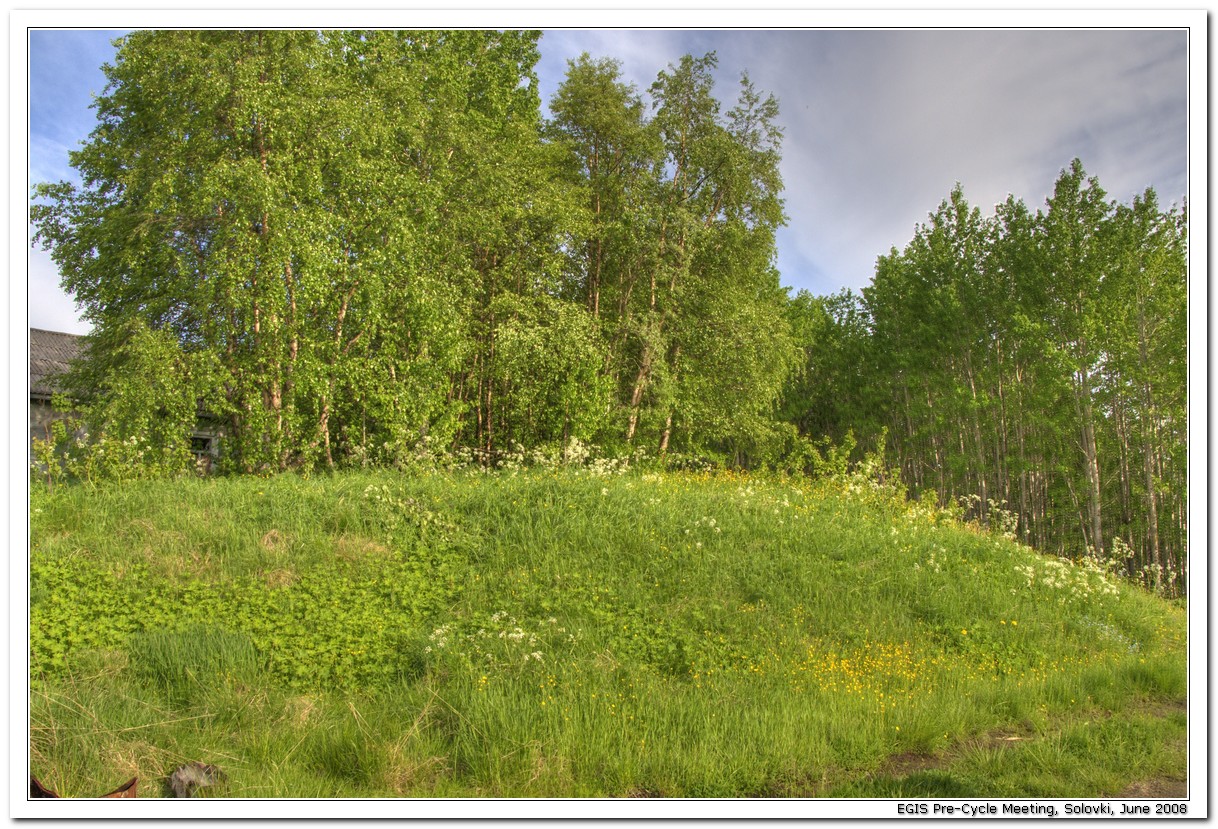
(557, 632)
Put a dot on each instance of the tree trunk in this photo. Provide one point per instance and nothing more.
(324, 427)
(978, 447)
(1091, 459)
(1149, 452)
(667, 433)
(636, 394)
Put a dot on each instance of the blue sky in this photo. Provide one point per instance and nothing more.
(879, 124)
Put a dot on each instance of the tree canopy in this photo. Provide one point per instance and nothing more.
(377, 244)
(1032, 364)
(354, 247)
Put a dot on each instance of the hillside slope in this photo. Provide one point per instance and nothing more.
(558, 632)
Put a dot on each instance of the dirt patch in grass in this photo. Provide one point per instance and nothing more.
(1162, 708)
(281, 577)
(180, 565)
(1169, 786)
(906, 764)
(275, 541)
(167, 552)
(123, 759)
(406, 775)
(143, 529)
(357, 548)
(912, 762)
(804, 783)
(644, 792)
(298, 710)
(1156, 788)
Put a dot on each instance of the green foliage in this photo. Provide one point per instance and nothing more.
(368, 248)
(1099, 751)
(564, 630)
(368, 245)
(1027, 366)
(136, 409)
(336, 624)
(258, 181)
(48, 465)
(549, 358)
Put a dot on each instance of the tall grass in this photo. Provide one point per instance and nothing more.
(559, 633)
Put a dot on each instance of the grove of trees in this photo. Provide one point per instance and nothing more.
(361, 241)
(353, 247)
(1033, 365)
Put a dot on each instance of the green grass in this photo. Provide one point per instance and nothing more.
(558, 633)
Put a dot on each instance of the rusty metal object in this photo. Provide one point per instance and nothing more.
(39, 790)
(128, 789)
(125, 790)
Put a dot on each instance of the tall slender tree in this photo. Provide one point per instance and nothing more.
(1033, 362)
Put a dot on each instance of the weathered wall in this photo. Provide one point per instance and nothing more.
(41, 415)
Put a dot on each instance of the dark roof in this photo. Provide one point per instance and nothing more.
(50, 353)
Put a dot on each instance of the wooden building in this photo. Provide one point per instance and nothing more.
(51, 352)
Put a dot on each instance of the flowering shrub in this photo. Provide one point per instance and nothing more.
(71, 453)
(1069, 580)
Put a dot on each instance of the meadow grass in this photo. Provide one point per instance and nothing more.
(557, 633)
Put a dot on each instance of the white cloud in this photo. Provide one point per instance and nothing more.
(879, 124)
(641, 54)
(49, 307)
(882, 124)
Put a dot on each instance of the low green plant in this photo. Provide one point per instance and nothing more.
(563, 630)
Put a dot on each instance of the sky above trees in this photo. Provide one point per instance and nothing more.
(879, 124)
